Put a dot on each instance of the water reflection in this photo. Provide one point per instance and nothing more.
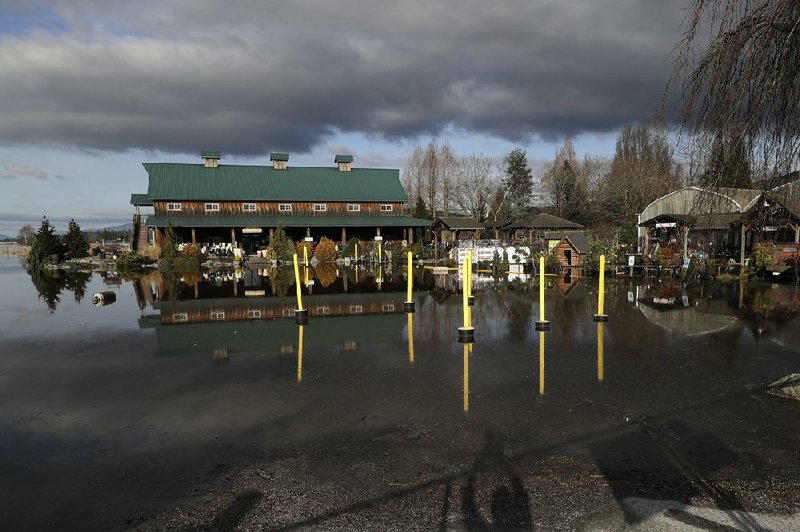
(600, 341)
(541, 362)
(49, 285)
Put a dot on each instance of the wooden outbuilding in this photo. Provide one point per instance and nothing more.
(571, 250)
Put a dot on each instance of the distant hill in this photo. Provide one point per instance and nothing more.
(6, 238)
(122, 227)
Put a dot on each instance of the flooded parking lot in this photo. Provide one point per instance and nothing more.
(196, 401)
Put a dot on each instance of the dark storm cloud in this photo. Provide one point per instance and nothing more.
(248, 77)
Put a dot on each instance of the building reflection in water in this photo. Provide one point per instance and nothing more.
(208, 314)
(410, 325)
(300, 329)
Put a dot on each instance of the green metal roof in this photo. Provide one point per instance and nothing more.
(208, 154)
(278, 156)
(175, 181)
(343, 159)
(141, 199)
(286, 221)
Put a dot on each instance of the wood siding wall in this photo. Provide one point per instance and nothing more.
(577, 258)
(270, 208)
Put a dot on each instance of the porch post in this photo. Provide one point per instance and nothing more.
(194, 236)
(233, 236)
(377, 231)
(741, 245)
(797, 234)
(344, 235)
(685, 242)
(308, 232)
(270, 233)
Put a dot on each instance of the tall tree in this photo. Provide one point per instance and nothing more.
(566, 184)
(448, 165)
(642, 170)
(75, 244)
(473, 186)
(430, 166)
(518, 181)
(169, 247)
(737, 67)
(26, 234)
(413, 178)
(46, 246)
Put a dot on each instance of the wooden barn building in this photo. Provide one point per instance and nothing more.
(213, 203)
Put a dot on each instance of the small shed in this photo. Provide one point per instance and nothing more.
(540, 224)
(571, 250)
(452, 228)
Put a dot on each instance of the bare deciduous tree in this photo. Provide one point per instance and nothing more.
(737, 68)
(473, 185)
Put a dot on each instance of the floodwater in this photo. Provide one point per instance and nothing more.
(198, 402)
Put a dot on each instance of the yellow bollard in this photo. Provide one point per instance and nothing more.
(600, 361)
(408, 306)
(305, 254)
(468, 281)
(466, 377)
(542, 324)
(466, 334)
(380, 253)
(300, 353)
(601, 293)
(541, 362)
(300, 313)
(355, 254)
(410, 337)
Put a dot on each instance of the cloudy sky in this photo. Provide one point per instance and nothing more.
(92, 88)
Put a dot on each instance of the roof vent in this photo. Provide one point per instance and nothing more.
(210, 158)
(345, 162)
(280, 161)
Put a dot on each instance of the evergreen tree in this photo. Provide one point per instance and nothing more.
(46, 246)
(169, 249)
(518, 181)
(281, 245)
(420, 209)
(75, 244)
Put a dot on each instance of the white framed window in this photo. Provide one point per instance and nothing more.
(386, 208)
(254, 313)
(356, 309)
(323, 310)
(320, 207)
(212, 207)
(180, 316)
(173, 206)
(354, 207)
(285, 207)
(287, 311)
(248, 207)
(151, 236)
(217, 314)
(388, 307)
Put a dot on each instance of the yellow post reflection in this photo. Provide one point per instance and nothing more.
(466, 377)
(410, 336)
(300, 353)
(600, 362)
(541, 362)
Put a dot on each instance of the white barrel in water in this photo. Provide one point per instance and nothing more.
(101, 299)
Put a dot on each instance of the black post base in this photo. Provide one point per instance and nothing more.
(471, 301)
(301, 316)
(466, 335)
(600, 317)
(408, 306)
(543, 325)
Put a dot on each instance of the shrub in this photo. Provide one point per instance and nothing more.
(190, 250)
(326, 250)
(298, 247)
(169, 249)
(551, 264)
(130, 261)
(763, 255)
(349, 249)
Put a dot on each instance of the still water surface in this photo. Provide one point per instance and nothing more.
(112, 414)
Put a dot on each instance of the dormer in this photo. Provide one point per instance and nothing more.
(344, 162)
(280, 161)
(210, 158)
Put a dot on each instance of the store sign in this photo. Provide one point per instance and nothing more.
(251, 230)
